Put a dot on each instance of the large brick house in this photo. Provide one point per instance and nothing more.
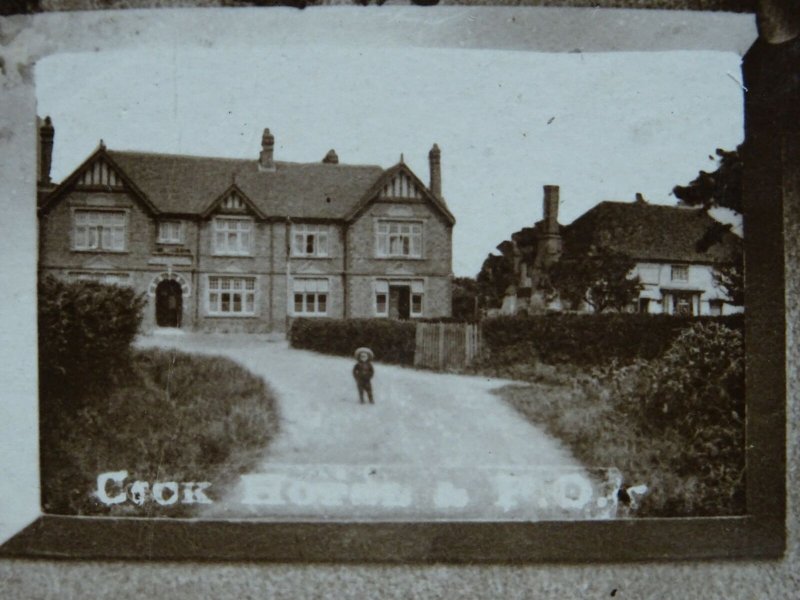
(674, 254)
(222, 244)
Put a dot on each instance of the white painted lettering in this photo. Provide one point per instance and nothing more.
(103, 480)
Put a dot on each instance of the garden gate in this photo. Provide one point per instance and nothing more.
(446, 346)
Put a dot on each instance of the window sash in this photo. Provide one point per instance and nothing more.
(399, 239)
(232, 236)
(231, 295)
(679, 273)
(310, 240)
(170, 232)
(99, 230)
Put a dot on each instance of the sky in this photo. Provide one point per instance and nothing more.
(601, 125)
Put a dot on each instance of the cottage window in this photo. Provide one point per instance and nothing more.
(416, 305)
(99, 230)
(310, 297)
(231, 296)
(170, 232)
(310, 240)
(233, 236)
(399, 239)
(680, 273)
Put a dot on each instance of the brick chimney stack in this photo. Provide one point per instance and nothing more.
(47, 134)
(549, 247)
(265, 160)
(551, 209)
(435, 161)
(331, 158)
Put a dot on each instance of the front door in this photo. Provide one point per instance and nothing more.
(169, 304)
(399, 302)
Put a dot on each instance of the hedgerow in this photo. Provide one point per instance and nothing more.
(392, 341)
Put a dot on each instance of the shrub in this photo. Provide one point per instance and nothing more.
(675, 423)
(85, 332)
(584, 339)
(391, 341)
(178, 417)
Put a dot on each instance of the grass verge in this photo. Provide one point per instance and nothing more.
(172, 417)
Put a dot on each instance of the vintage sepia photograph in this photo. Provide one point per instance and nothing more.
(390, 283)
(363, 284)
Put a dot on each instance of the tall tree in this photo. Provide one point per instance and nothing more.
(600, 279)
(721, 188)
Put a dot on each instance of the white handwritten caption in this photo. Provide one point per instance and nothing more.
(111, 489)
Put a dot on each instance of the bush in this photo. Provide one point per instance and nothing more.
(391, 341)
(675, 423)
(178, 417)
(584, 339)
(85, 333)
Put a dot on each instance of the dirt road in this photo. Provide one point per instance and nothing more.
(429, 442)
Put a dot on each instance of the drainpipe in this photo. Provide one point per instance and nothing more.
(288, 269)
(345, 295)
(198, 229)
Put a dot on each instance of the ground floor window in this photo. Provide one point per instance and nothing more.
(715, 307)
(310, 297)
(399, 299)
(231, 296)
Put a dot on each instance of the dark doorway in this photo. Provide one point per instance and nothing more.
(169, 304)
(399, 302)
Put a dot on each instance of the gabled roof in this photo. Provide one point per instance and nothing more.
(387, 177)
(654, 232)
(179, 184)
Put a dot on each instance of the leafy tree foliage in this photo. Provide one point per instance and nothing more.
(497, 273)
(467, 299)
(722, 187)
(600, 279)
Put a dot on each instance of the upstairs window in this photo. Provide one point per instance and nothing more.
(310, 240)
(233, 236)
(310, 297)
(399, 239)
(99, 230)
(170, 232)
(680, 273)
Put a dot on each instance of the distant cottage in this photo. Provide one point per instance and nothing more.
(223, 244)
(674, 260)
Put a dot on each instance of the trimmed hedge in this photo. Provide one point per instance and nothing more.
(391, 341)
(85, 334)
(586, 339)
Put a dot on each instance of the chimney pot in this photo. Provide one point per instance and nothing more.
(47, 134)
(266, 161)
(331, 157)
(434, 161)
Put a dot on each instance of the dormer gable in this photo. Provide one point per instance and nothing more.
(233, 201)
(99, 172)
(400, 184)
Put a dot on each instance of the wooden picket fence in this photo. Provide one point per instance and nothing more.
(447, 346)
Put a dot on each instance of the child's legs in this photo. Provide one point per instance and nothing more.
(360, 386)
(368, 387)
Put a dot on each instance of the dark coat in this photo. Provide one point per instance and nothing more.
(363, 371)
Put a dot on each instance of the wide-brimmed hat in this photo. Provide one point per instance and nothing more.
(369, 352)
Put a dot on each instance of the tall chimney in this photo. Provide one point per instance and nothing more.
(46, 135)
(265, 160)
(551, 209)
(435, 162)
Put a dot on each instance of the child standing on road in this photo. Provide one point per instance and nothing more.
(363, 372)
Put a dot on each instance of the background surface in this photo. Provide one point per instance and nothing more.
(89, 579)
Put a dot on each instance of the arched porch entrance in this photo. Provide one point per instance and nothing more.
(169, 303)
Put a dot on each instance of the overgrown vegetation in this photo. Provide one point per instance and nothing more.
(674, 423)
(159, 415)
(392, 341)
(582, 339)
